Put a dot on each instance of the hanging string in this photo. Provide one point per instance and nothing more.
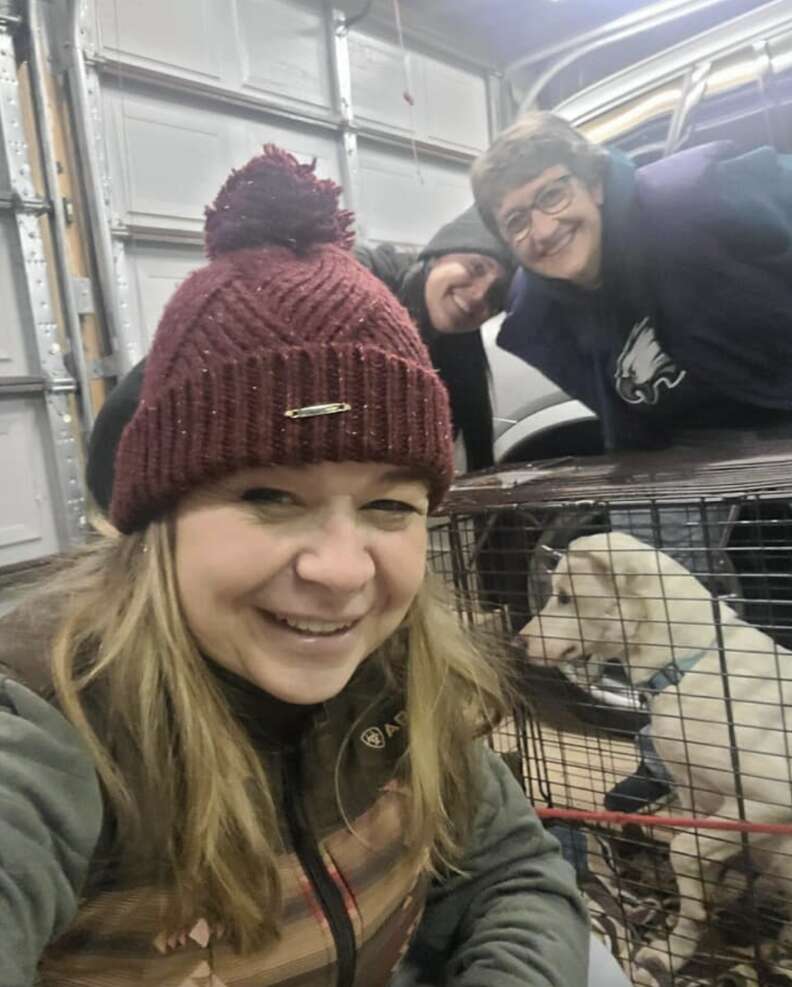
(409, 94)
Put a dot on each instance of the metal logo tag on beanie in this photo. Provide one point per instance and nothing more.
(312, 410)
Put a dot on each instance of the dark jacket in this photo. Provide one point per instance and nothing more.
(513, 915)
(693, 323)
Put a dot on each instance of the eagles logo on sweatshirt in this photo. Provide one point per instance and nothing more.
(642, 367)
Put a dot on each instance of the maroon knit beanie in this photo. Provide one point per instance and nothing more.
(282, 350)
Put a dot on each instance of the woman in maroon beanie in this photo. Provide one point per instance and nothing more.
(248, 754)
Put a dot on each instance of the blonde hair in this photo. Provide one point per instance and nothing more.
(182, 776)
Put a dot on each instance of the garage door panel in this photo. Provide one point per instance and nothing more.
(168, 159)
(283, 50)
(450, 104)
(456, 110)
(304, 146)
(154, 274)
(379, 81)
(177, 35)
(15, 360)
(405, 204)
(27, 528)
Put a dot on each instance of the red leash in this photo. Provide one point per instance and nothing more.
(674, 822)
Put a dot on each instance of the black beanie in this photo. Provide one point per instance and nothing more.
(467, 234)
(114, 416)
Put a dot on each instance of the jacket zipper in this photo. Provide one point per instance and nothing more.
(328, 892)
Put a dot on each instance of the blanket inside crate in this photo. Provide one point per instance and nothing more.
(626, 877)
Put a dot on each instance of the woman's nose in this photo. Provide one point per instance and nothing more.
(338, 557)
(544, 228)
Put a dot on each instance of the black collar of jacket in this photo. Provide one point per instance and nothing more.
(413, 296)
(274, 725)
(269, 722)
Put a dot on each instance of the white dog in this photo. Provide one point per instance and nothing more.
(616, 597)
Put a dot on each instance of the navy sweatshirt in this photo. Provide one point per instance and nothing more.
(692, 325)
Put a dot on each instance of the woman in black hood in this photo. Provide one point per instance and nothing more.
(450, 288)
(457, 282)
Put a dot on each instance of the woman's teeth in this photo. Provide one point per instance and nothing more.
(559, 244)
(311, 626)
(460, 304)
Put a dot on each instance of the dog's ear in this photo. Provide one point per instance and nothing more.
(591, 562)
(631, 583)
(635, 572)
(616, 581)
(599, 566)
(636, 582)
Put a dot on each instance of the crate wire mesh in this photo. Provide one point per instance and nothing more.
(692, 643)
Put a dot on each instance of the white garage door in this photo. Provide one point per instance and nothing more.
(186, 90)
(40, 487)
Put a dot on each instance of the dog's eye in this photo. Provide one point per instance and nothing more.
(564, 598)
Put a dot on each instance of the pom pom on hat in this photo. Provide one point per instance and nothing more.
(274, 199)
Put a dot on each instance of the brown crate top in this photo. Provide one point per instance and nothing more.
(705, 464)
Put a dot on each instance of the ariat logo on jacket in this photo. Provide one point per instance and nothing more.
(643, 366)
(377, 737)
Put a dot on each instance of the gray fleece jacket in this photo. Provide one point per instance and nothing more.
(513, 919)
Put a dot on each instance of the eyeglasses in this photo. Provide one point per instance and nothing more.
(551, 200)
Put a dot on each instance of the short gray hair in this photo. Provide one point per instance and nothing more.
(535, 142)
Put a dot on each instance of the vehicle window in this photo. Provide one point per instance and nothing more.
(778, 89)
(744, 97)
(731, 106)
(639, 126)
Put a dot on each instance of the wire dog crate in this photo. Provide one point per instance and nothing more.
(647, 602)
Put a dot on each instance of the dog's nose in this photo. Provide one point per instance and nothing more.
(531, 646)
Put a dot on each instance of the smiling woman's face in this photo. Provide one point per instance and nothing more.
(566, 245)
(292, 577)
(463, 290)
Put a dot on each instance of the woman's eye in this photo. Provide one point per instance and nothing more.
(392, 506)
(551, 197)
(564, 598)
(268, 496)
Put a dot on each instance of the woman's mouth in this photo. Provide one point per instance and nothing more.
(468, 313)
(310, 626)
(560, 243)
(461, 305)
